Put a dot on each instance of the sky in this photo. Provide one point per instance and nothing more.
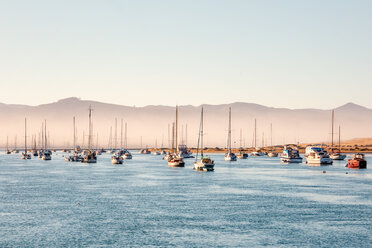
(288, 53)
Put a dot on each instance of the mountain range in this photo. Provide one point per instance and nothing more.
(151, 123)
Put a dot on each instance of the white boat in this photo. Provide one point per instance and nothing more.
(205, 163)
(290, 155)
(338, 156)
(184, 152)
(117, 159)
(229, 156)
(126, 155)
(317, 156)
(174, 160)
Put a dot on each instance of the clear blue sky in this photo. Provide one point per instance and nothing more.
(288, 53)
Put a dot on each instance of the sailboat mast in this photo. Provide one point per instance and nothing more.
(176, 129)
(202, 133)
(333, 120)
(173, 148)
(42, 136)
(126, 137)
(255, 133)
(25, 136)
(90, 127)
(116, 134)
(229, 135)
(74, 132)
(240, 140)
(121, 134)
(45, 136)
(339, 138)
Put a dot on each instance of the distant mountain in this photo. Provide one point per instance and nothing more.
(151, 122)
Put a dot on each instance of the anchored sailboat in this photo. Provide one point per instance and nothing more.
(336, 153)
(204, 163)
(229, 156)
(272, 153)
(174, 160)
(90, 156)
(7, 146)
(24, 154)
(46, 154)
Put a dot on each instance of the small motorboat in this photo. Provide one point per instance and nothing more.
(116, 159)
(357, 162)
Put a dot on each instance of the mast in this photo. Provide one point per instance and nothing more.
(90, 127)
(126, 137)
(121, 134)
(74, 132)
(200, 138)
(25, 136)
(255, 133)
(202, 132)
(333, 121)
(116, 134)
(240, 139)
(229, 132)
(173, 148)
(339, 139)
(45, 136)
(177, 128)
(42, 136)
(271, 136)
(186, 136)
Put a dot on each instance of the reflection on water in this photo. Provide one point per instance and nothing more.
(253, 202)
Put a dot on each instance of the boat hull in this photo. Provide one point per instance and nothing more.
(357, 164)
(291, 160)
(199, 166)
(338, 156)
(176, 164)
(319, 161)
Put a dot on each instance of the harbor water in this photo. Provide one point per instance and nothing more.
(256, 202)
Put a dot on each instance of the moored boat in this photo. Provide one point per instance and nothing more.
(116, 159)
(174, 160)
(229, 156)
(205, 163)
(290, 155)
(357, 162)
(317, 156)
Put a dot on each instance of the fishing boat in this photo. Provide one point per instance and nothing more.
(184, 152)
(90, 155)
(290, 155)
(317, 156)
(229, 156)
(116, 159)
(357, 162)
(174, 160)
(24, 154)
(205, 163)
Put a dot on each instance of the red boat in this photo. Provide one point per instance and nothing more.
(358, 162)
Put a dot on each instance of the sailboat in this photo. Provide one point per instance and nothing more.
(90, 155)
(257, 151)
(7, 146)
(24, 154)
(46, 154)
(272, 154)
(242, 154)
(75, 157)
(174, 160)
(229, 156)
(34, 149)
(205, 163)
(336, 154)
(15, 150)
